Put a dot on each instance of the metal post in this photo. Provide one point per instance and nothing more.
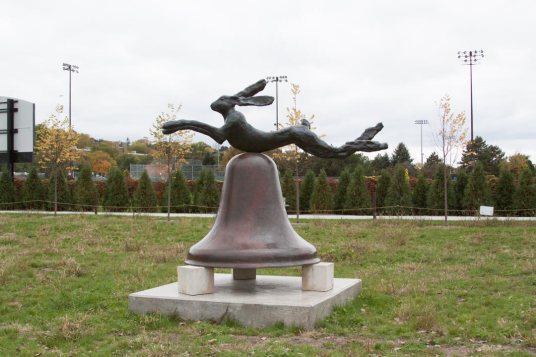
(10, 132)
(421, 122)
(169, 179)
(71, 68)
(70, 72)
(471, 86)
(471, 58)
(422, 155)
(277, 105)
(276, 79)
(297, 192)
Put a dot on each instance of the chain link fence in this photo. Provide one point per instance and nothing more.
(158, 172)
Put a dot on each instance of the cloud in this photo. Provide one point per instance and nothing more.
(358, 63)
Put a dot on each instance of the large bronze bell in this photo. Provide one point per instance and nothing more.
(252, 229)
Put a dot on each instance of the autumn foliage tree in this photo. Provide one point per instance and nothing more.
(56, 149)
(100, 161)
(172, 148)
(517, 163)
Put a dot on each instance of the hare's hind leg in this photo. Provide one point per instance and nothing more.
(311, 143)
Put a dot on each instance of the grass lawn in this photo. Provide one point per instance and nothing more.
(468, 288)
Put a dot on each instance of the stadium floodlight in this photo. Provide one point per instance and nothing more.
(471, 58)
(276, 79)
(71, 68)
(421, 123)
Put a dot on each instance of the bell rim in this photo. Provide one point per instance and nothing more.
(252, 265)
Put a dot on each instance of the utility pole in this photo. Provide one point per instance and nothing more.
(276, 79)
(471, 58)
(71, 68)
(421, 123)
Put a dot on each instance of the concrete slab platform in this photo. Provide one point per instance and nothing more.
(256, 303)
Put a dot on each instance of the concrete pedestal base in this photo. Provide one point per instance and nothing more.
(318, 277)
(195, 280)
(257, 303)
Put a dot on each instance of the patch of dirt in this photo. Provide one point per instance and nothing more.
(319, 340)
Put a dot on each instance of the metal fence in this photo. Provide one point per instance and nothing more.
(190, 171)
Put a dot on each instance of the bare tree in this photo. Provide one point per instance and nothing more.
(450, 138)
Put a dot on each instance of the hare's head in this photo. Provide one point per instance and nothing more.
(225, 103)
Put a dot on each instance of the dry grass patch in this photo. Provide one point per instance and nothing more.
(70, 328)
(8, 237)
(70, 267)
(411, 267)
(131, 245)
(23, 329)
(163, 254)
(399, 288)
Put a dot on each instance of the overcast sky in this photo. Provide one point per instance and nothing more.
(357, 62)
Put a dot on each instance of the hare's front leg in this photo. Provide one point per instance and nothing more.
(184, 124)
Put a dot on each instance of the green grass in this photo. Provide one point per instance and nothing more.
(468, 288)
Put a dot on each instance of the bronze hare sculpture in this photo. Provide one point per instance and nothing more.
(241, 135)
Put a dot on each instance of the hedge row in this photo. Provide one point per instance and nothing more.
(392, 193)
(119, 193)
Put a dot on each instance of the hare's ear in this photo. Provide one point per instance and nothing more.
(252, 89)
(258, 101)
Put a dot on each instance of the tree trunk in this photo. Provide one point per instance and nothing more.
(55, 192)
(445, 194)
(297, 201)
(297, 187)
(374, 203)
(169, 190)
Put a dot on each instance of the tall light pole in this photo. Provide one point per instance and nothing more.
(71, 68)
(421, 123)
(276, 79)
(471, 58)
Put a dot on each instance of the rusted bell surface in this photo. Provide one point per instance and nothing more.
(252, 229)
